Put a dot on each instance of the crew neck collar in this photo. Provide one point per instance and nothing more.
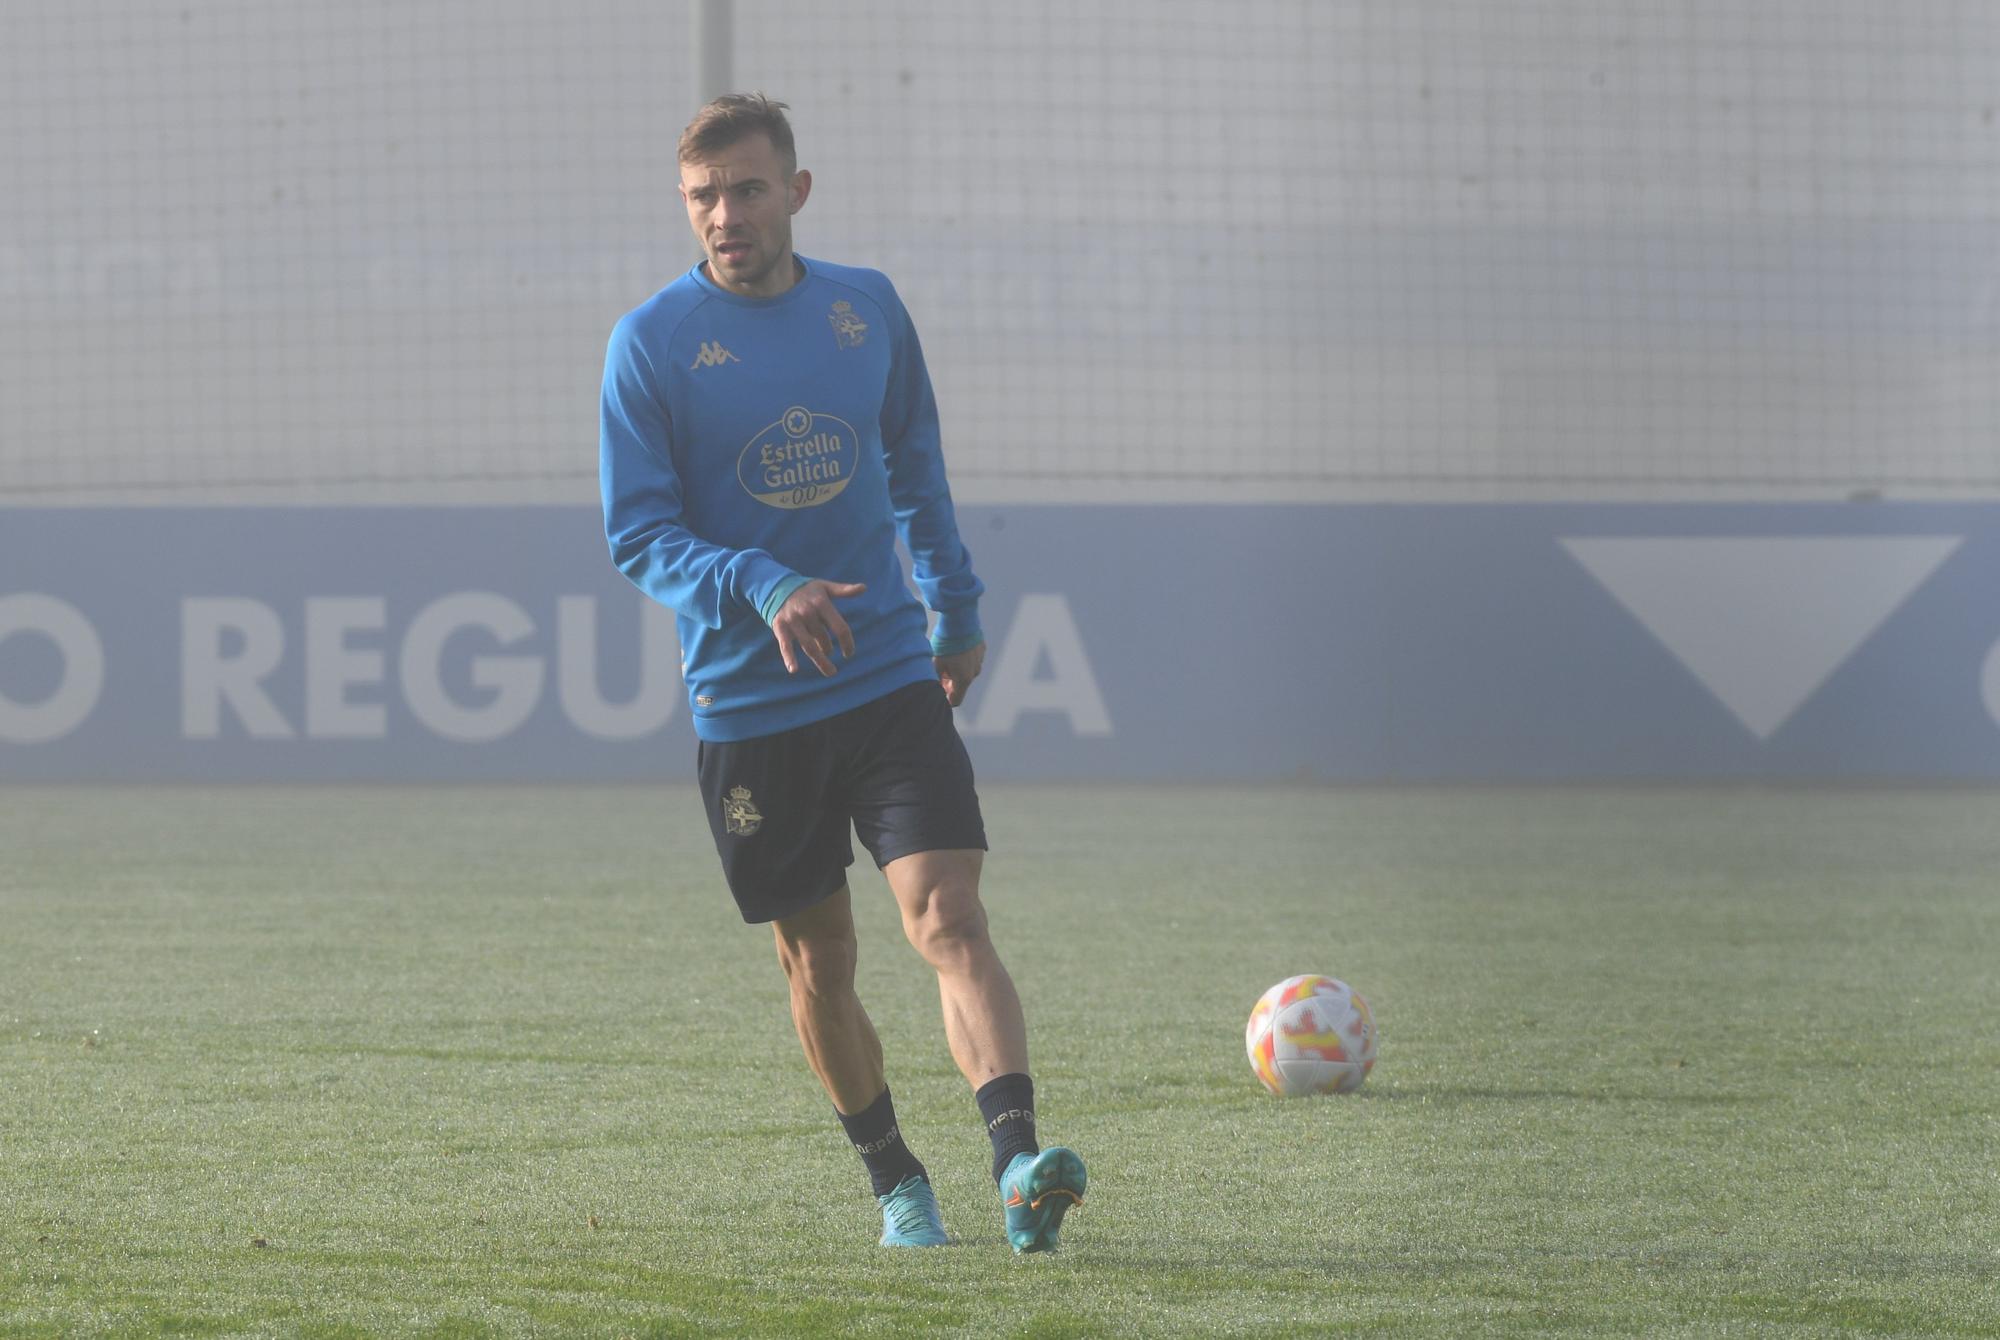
(805, 274)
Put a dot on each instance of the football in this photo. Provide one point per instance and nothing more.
(1311, 1034)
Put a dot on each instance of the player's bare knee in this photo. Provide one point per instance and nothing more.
(818, 965)
(950, 925)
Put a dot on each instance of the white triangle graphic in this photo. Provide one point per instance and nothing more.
(1763, 621)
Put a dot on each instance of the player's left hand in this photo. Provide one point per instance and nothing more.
(957, 671)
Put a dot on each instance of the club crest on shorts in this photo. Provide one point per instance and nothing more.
(739, 812)
(849, 330)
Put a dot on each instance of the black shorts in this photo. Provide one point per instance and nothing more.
(780, 805)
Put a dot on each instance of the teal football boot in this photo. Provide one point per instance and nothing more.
(910, 1216)
(1037, 1190)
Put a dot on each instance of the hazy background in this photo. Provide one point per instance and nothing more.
(1268, 249)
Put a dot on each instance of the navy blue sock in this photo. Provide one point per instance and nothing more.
(875, 1137)
(1008, 1104)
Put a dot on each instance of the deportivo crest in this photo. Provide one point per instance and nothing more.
(739, 812)
(849, 330)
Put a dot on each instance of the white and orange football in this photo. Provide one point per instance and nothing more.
(1311, 1034)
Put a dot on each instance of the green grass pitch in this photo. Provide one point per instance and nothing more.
(500, 1062)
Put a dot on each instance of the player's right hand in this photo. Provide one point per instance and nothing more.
(808, 627)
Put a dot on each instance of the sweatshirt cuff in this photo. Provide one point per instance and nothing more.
(779, 595)
(957, 630)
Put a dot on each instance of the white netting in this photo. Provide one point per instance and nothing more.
(1515, 246)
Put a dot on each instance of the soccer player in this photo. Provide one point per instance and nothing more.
(768, 431)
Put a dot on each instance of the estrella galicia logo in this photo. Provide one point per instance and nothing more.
(802, 460)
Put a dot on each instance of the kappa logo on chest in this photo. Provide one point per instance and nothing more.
(712, 355)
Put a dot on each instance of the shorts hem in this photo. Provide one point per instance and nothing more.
(764, 916)
(916, 846)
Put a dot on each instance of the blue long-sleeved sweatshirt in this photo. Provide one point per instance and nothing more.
(747, 445)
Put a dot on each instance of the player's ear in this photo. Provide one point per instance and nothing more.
(802, 184)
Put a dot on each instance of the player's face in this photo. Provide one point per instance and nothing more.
(740, 202)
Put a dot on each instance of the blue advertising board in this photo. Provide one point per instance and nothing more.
(1352, 643)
